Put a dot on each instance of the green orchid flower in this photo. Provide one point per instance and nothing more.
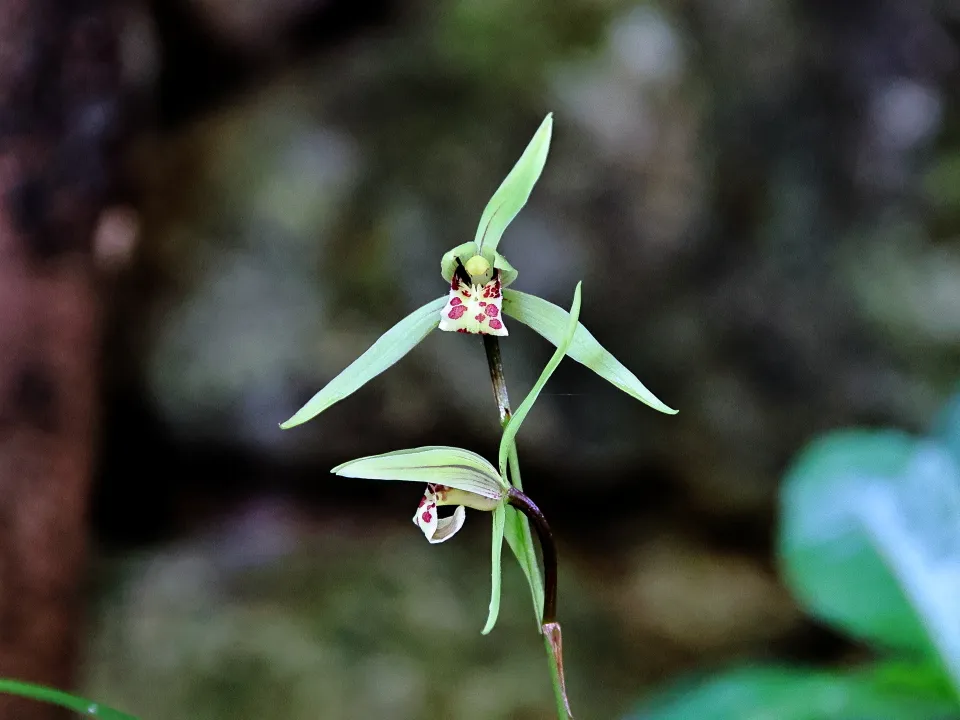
(478, 298)
(454, 477)
(461, 478)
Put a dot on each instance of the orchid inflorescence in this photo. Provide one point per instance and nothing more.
(476, 302)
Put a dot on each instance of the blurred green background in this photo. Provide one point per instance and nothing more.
(763, 202)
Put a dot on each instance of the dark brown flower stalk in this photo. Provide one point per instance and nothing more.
(548, 548)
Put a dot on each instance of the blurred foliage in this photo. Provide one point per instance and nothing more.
(870, 543)
(364, 623)
(762, 193)
(791, 694)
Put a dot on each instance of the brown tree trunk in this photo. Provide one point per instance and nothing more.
(58, 114)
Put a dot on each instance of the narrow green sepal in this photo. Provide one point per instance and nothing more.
(513, 426)
(515, 189)
(499, 518)
(517, 533)
(387, 350)
(550, 321)
(436, 464)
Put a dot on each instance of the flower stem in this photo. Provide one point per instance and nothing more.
(549, 627)
(491, 344)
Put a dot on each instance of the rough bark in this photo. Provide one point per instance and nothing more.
(59, 82)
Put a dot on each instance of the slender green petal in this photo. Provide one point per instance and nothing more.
(499, 516)
(550, 321)
(513, 192)
(517, 532)
(390, 347)
(513, 426)
(520, 539)
(435, 464)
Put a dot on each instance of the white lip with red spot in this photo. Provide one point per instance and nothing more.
(474, 309)
(437, 529)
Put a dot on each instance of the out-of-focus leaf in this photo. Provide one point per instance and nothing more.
(438, 464)
(946, 427)
(776, 693)
(513, 425)
(53, 696)
(513, 192)
(390, 347)
(870, 540)
(499, 518)
(828, 558)
(551, 322)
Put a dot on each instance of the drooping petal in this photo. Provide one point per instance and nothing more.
(513, 192)
(435, 528)
(390, 347)
(474, 309)
(449, 526)
(499, 516)
(550, 321)
(434, 464)
(513, 425)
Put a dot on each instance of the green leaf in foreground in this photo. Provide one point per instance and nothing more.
(870, 540)
(51, 696)
(777, 693)
(390, 347)
(550, 321)
(946, 426)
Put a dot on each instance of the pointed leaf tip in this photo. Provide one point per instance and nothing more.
(515, 189)
(499, 518)
(563, 345)
(387, 350)
(550, 321)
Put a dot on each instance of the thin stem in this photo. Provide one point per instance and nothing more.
(547, 546)
(491, 345)
(553, 642)
(550, 629)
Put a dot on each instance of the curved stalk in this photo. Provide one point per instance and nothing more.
(549, 627)
(548, 548)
